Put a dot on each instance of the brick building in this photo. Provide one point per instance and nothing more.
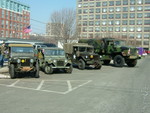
(14, 18)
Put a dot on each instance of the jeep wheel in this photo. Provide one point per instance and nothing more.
(48, 69)
(37, 71)
(81, 64)
(132, 63)
(119, 61)
(97, 65)
(106, 62)
(12, 71)
(69, 70)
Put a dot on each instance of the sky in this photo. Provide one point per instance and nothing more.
(40, 11)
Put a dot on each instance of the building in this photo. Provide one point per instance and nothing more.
(125, 19)
(14, 18)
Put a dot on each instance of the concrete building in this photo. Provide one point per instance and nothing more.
(14, 18)
(125, 19)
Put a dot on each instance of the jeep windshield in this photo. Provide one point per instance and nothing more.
(54, 52)
(119, 43)
(22, 51)
(86, 49)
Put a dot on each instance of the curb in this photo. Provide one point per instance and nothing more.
(4, 76)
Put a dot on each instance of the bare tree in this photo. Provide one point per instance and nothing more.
(63, 24)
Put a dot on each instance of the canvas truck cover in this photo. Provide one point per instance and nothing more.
(68, 47)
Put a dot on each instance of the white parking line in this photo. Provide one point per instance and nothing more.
(13, 84)
(40, 85)
(69, 85)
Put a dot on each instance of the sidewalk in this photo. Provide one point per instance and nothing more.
(4, 72)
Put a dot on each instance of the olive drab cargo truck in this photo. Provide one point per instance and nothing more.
(82, 55)
(114, 49)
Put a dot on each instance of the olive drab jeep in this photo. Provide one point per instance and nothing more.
(53, 59)
(83, 55)
(22, 60)
(114, 49)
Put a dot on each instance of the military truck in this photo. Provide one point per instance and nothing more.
(114, 49)
(83, 55)
(53, 58)
(22, 60)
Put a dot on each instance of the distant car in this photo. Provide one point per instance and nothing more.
(50, 44)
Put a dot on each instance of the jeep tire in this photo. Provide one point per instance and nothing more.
(119, 61)
(131, 63)
(106, 62)
(81, 64)
(69, 70)
(48, 69)
(12, 71)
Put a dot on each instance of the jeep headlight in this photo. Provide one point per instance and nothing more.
(86, 56)
(66, 61)
(91, 56)
(31, 60)
(54, 61)
(18, 60)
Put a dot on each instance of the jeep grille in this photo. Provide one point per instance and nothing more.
(26, 62)
(60, 63)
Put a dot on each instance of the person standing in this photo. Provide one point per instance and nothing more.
(2, 54)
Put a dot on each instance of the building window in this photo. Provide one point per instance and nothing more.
(117, 29)
(91, 10)
(117, 22)
(124, 29)
(111, 16)
(97, 17)
(124, 22)
(104, 10)
(139, 15)
(85, 11)
(97, 23)
(90, 29)
(146, 43)
(84, 29)
(85, 17)
(139, 22)
(118, 16)
(104, 3)
(125, 2)
(111, 3)
(132, 15)
(132, 8)
(91, 4)
(125, 9)
(118, 3)
(146, 29)
(147, 1)
(91, 23)
(131, 36)
(118, 9)
(146, 36)
(146, 22)
(132, 22)
(84, 23)
(139, 29)
(132, 2)
(139, 1)
(111, 22)
(131, 29)
(139, 8)
(147, 8)
(98, 10)
(98, 4)
(85, 5)
(147, 15)
(97, 29)
(104, 16)
(104, 22)
(110, 29)
(125, 15)
(79, 11)
(139, 36)
(111, 9)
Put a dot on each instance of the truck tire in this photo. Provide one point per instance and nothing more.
(98, 65)
(37, 71)
(119, 61)
(12, 71)
(81, 64)
(131, 63)
(69, 70)
(48, 69)
(106, 62)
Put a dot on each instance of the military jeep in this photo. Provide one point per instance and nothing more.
(83, 55)
(53, 58)
(22, 60)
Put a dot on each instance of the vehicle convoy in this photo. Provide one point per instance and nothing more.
(114, 49)
(83, 55)
(22, 60)
(53, 58)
